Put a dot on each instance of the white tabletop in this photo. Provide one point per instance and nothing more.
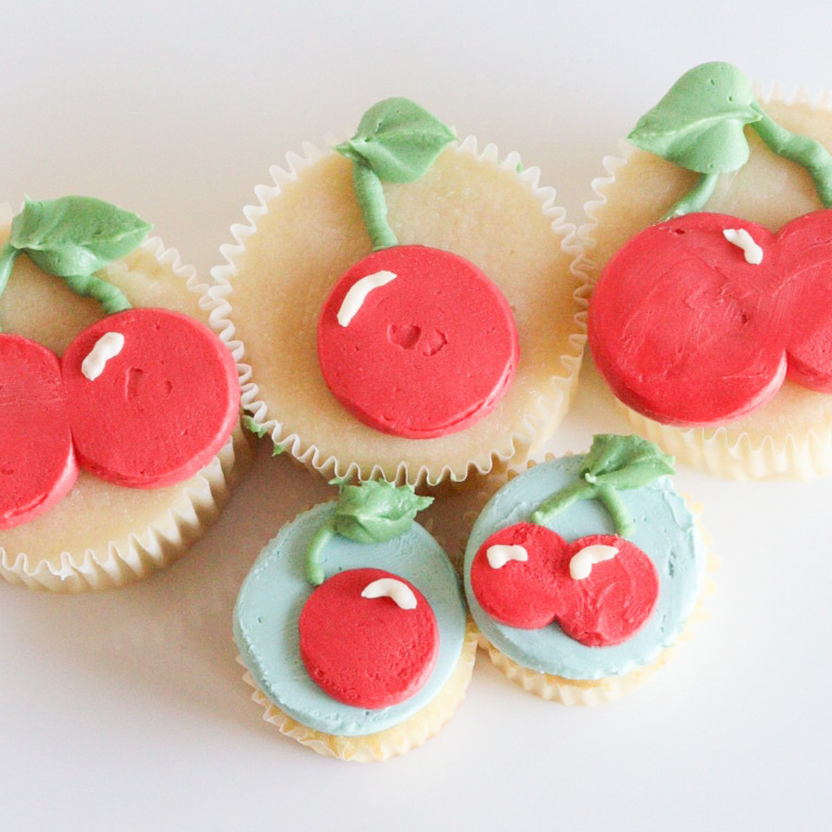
(126, 710)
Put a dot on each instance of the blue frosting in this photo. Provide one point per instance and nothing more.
(273, 595)
(665, 531)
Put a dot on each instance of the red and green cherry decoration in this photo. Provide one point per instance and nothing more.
(367, 637)
(699, 319)
(127, 400)
(414, 341)
(600, 589)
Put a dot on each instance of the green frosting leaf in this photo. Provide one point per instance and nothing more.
(376, 511)
(699, 123)
(259, 430)
(625, 461)
(613, 463)
(75, 235)
(398, 140)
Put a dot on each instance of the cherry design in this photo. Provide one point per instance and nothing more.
(160, 402)
(687, 332)
(603, 609)
(403, 363)
(38, 465)
(414, 341)
(363, 651)
(162, 407)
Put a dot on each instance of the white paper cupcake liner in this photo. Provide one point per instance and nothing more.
(726, 451)
(392, 742)
(194, 504)
(544, 414)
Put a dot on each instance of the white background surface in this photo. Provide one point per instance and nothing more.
(126, 710)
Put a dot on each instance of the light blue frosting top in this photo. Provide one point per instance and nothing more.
(665, 531)
(274, 592)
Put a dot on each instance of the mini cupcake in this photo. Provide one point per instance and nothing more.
(114, 459)
(352, 627)
(404, 305)
(711, 319)
(583, 572)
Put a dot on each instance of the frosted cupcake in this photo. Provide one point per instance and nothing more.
(404, 305)
(114, 460)
(711, 316)
(352, 627)
(583, 572)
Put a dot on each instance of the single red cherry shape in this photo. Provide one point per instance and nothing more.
(37, 460)
(161, 408)
(605, 608)
(687, 332)
(428, 353)
(367, 652)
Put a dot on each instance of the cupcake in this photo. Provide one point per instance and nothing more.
(404, 306)
(115, 460)
(711, 317)
(352, 627)
(583, 572)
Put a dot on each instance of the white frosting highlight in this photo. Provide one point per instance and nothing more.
(740, 238)
(399, 591)
(108, 346)
(580, 566)
(499, 555)
(358, 294)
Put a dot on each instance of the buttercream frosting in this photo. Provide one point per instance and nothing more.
(664, 530)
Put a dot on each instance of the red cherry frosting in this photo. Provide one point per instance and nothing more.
(604, 608)
(686, 331)
(161, 408)
(367, 652)
(429, 353)
(37, 461)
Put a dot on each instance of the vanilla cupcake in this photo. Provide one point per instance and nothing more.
(713, 326)
(352, 627)
(113, 464)
(405, 305)
(583, 572)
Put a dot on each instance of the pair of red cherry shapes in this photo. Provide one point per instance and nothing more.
(604, 608)
(687, 332)
(160, 410)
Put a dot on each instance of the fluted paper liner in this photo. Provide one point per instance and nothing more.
(791, 436)
(102, 535)
(325, 437)
(391, 742)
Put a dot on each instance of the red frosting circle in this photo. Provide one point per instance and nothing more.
(37, 462)
(161, 409)
(604, 608)
(428, 354)
(366, 652)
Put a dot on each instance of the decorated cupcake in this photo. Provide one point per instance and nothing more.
(711, 319)
(583, 572)
(352, 627)
(118, 403)
(403, 305)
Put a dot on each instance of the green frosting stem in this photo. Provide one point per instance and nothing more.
(111, 298)
(370, 195)
(314, 572)
(802, 150)
(563, 499)
(8, 254)
(610, 497)
(696, 198)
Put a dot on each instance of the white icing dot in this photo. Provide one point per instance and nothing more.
(580, 566)
(499, 555)
(399, 591)
(106, 347)
(740, 238)
(358, 292)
